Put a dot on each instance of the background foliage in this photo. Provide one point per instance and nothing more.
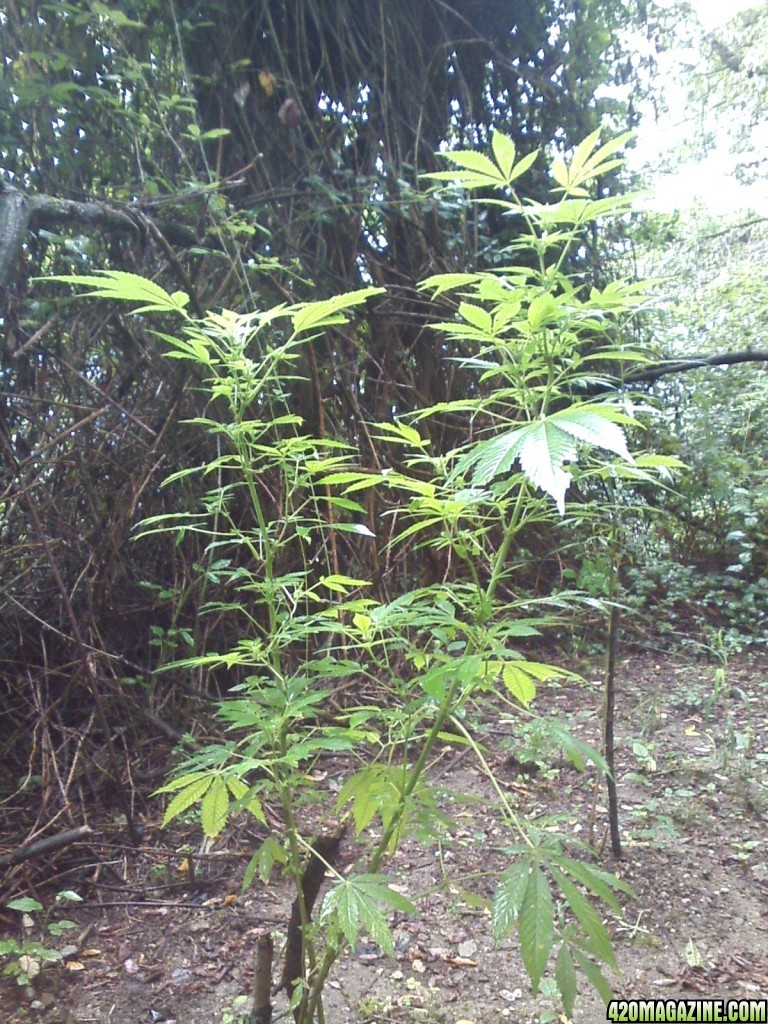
(255, 153)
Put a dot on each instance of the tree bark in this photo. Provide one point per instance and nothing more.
(14, 224)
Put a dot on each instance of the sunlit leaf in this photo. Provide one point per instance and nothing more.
(119, 285)
(191, 794)
(504, 152)
(215, 808)
(328, 312)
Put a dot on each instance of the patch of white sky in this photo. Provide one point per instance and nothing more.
(709, 181)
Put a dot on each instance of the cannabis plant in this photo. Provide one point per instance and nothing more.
(533, 340)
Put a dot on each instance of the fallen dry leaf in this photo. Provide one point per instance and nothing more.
(460, 961)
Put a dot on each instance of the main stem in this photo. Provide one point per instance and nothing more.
(332, 948)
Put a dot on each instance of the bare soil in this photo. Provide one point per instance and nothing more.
(692, 774)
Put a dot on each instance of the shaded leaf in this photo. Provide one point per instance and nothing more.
(595, 975)
(536, 926)
(588, 918)
(508, 898)
(565, 978)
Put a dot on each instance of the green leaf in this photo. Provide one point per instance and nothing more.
(508, 899)
(523, 627)
(213, 133)
(598, 163)
(576, 750)
(246, 797)
(347, 504)
(374, 790)
(483, 166)
(523, 164)
(353, 904)
(504, 152)
(541, 311)
(595, 425)
(190, 795)
(448, 282)
(595, 976)
(489, 459)
(60, 927)
(536, 926)
(578, 211)
(359, 528)
(544, 449)
(180, 782)
(565, 978)
(115, 15)
(25, 904)
(68, 896)
(378, 887)
(400, 433)
(518, 677)
(588, 918)
(123, 286)
(601, 883)
(349, 477)
(328, 312)
(477, 317)
(583, 150)
(270, 852)
(519, 683)
(435, 681)
(215, 808)
(560, 172)
(340, 584)
(665, 463)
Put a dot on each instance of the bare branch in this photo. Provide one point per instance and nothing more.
(54, 842)
(654, 372)
(20, 213)
(651, 373)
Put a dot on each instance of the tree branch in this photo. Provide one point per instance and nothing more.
(20, 213)
(649, 374)
(54, 842)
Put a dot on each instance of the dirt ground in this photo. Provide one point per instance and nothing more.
(692, 774)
